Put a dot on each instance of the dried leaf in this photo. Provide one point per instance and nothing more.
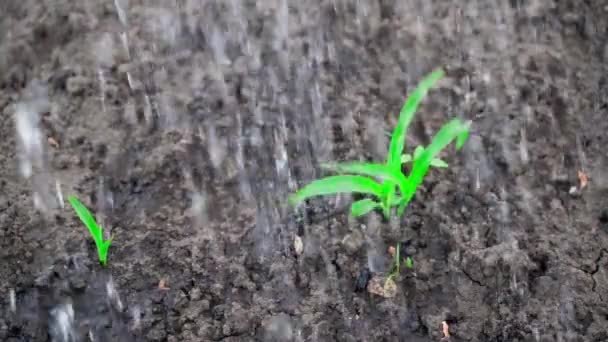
(162, 284)
(446, 329)
(52, 142)
(583, 179)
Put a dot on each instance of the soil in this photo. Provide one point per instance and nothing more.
(187, 145)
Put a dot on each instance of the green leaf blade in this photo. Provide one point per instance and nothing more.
(409, 263)
(418, 151)
(102, 251)
(96, 231)
(454, 129)
(87, 218)
(406, 115)
(462, 137)
(436, 162)
(337, 184)
(370, 169)
(364, 206)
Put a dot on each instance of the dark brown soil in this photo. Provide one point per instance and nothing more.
(186, 152)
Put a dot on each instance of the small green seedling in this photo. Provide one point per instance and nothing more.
(396, 269)
(382, 180)
(96, 231)
(409, 263)
(396, 264)
(435, 162)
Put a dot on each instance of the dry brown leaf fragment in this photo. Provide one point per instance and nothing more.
(162, 284)
(583, 179)
(446, 329)
(52, 142)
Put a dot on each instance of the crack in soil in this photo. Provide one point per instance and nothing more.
(479, 283)
(597, 268)
(592, 273)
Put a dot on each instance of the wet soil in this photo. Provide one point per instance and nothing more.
(187, 148)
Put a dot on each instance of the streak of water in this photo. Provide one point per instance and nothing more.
(29, 135)
(31, 144)
(136, 314)
(61, 327)
(112, 294)
(59, 194)
(12, 300)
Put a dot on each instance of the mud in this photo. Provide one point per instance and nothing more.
(187, 145)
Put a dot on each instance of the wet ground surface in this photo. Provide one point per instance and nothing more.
(185, 124)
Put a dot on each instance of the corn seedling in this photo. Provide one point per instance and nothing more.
(396, 264)
(396, 269)
(96, 231)
(386, 182)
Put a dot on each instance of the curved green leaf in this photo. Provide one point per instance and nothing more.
(87, 218)
(436, 162)
(406, 158)
(418, 151)
(389, 197)
(370, 169)
(364, 206)
(405, 117)
(455, 129)
(96, 231)
(102, 251)
(337, 184)
(462, 137)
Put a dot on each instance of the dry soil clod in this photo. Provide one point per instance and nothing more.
(382, 286)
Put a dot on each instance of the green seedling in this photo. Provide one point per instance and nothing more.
(396, 265)
(96, 231)
(409, 263)
(435, 162)
(396, 268)
(386, 182)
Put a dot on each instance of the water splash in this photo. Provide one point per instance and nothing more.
(523, 147)
(120, 6)
(112, 294)
(218, 46)
(279, 328)
(27, 122)
(59, 194)
(102, 89)
(12, 300)
(31, 144)
(217, 147)
(199, 208)
(136, 314)
(61, 327)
